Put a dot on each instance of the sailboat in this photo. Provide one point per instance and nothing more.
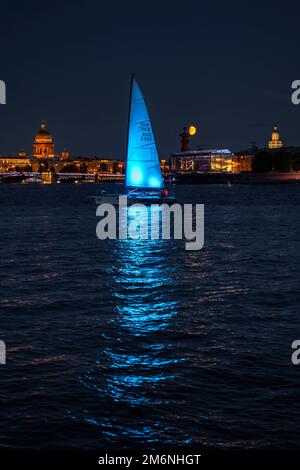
(143, 180)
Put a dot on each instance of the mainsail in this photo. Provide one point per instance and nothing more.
(142, 164)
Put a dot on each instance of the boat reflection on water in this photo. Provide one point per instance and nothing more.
(137, 363)
(143, 281)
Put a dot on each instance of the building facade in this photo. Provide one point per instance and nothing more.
(214, 160)
(44, 159)
(13, 164)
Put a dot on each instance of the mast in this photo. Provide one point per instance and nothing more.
(129, 111)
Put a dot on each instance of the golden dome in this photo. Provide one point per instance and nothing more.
(275, 142)
(43, 136)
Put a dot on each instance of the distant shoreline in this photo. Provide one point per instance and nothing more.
(239, 178)
(183, 178)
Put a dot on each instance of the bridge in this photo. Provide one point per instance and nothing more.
(75, 177)
(19, 176)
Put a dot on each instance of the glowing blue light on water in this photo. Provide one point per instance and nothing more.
(136, 363)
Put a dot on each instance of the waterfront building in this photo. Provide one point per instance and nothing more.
(12, 164)
(43, 145)
(48, 177)
(214, 160)
(65, 155)
(275, 142)
(44, 160)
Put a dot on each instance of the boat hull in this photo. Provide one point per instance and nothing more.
(147, 200)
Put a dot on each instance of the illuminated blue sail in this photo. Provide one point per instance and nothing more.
(142, 165)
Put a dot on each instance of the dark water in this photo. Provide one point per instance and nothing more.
(125, 343)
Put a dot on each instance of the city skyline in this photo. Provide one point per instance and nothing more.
(25, 152)
(226, 72)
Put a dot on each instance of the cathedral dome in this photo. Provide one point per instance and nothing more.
(43, 145)
(43, 134)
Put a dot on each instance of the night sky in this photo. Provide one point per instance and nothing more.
(226, 68)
